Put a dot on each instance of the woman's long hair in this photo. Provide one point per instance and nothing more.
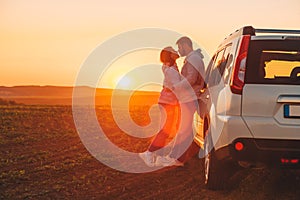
(168, 55)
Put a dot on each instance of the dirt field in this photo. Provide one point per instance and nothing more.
(42, 157)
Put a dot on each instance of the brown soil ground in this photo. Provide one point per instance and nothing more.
(42, 157)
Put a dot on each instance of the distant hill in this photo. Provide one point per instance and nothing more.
(57, 95)
(30, 91)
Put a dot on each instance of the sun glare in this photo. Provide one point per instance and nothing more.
(123, 82)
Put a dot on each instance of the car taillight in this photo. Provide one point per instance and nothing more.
(289, 161)
(239, 146)
(239, 69)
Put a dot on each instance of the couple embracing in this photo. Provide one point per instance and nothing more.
(178, 102)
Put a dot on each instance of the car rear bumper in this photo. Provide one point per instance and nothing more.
(269, 151)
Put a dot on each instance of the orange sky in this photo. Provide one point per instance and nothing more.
(46, 42)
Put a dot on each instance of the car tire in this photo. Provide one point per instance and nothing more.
(216, 172)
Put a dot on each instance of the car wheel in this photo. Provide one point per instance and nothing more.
(215, 174)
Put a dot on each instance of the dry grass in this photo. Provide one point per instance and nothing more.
(42, 157)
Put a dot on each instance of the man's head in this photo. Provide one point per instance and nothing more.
(185, 46)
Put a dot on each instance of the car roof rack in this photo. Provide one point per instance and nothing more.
(249, 30)
(277, 31)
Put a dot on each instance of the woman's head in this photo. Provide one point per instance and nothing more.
(168, 56)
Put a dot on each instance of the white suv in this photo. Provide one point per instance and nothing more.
(250, 107)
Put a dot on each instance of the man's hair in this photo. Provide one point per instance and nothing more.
(185, 40)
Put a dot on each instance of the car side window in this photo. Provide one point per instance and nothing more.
(228, 63)
(216, 69)
(208, 71)
(216, 75)
(218, 65)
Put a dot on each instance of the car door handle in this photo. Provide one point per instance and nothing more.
(288, 99)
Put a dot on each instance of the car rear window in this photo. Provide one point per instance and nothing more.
(273, 62)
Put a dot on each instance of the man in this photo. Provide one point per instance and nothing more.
(188, 93)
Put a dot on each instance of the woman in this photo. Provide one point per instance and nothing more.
(168, 107)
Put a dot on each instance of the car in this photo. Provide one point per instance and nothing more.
(250, 105)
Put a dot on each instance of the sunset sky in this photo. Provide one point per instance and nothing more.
(45, 42)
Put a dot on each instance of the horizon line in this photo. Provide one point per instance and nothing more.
(68, 86)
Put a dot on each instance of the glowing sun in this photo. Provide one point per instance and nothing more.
(124, 82)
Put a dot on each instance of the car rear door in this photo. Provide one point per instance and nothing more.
(271, 94)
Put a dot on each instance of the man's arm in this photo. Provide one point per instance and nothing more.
(190, 77)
